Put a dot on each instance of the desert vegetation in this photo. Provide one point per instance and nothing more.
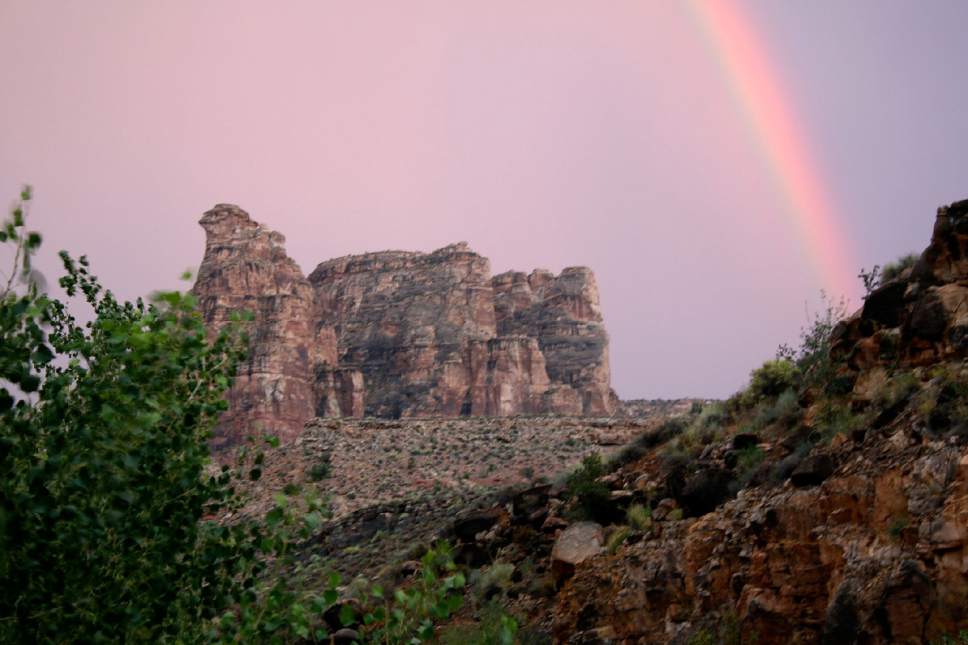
(108, 490)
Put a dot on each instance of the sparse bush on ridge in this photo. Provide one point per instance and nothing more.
(771, 380)
(894, 269)
(812, 357)
(641, 445)
(783, 409)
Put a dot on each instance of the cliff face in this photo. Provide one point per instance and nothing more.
(246, 268)
(410, 323)
(562, 314)
(399, 334)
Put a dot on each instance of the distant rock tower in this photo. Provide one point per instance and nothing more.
(398, 334)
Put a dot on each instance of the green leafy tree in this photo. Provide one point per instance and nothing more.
(109, 498)
(105, 478)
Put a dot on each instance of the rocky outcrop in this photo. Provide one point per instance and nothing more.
(246, 268)
(415, 325)
(562, 313)
(921, 316)
(399, 334)
(577, 543)
(863, 558)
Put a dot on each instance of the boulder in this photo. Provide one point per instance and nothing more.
(576, 544)
(813, 470)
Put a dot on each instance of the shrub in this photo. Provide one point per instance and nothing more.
(617, 538)
(898, 524)
(784, 409)
(639, 517)
(747, 461)
(496, 578)
(894, 269)
(946, 639)
(834, 419)
(591, 496)
(770, 380)
(408, 615)
(812, 357)
(495, 628)
(713, 415)
(321, 469)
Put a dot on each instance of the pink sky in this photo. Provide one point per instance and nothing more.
(545, 134)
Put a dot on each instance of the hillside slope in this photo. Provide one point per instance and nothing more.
(828, 503)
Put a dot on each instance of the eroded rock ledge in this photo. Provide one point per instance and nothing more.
(398, 334)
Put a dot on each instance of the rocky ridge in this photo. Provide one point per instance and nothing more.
(837, 516)
(399, 334)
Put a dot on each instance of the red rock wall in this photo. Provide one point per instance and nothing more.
(562, 313)
(246, 268)
(399, 334)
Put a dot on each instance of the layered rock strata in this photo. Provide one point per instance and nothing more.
(246, 269)
(399, 334)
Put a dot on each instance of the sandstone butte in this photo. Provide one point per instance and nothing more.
(397, 334)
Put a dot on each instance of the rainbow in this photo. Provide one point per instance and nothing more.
(759, 91)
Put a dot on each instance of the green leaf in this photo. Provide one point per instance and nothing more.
(274, 517)
(29, 383)
(42, 355)
(347, 616)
